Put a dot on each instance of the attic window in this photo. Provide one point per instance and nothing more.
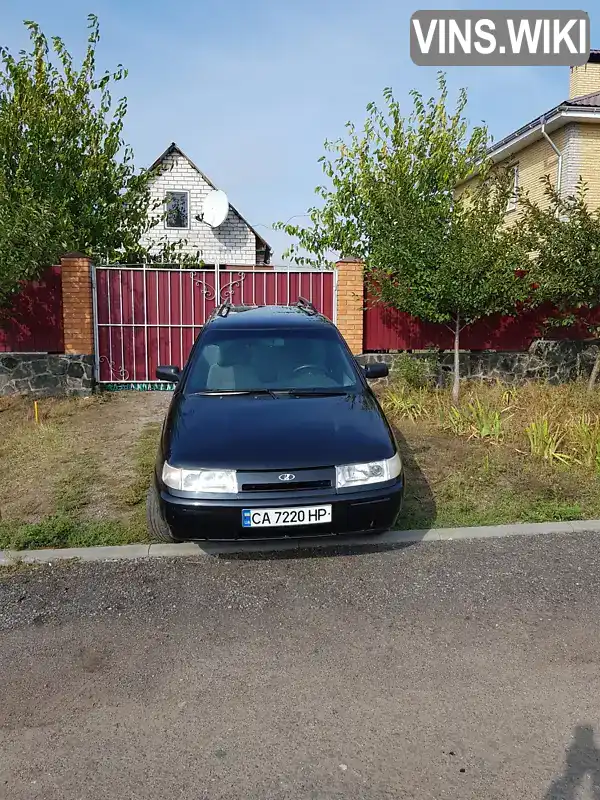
(177, 204)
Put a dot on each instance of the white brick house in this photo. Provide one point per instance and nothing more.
(181, 187)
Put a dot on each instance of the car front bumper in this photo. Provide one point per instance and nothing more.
(368, 510)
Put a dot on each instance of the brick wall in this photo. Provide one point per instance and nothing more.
(77, 304)
(589, 148)
(350, 301)
(584, 80)
(233, 242)
(535, 161)
(539, 159)
(571, 150)
(580, 146)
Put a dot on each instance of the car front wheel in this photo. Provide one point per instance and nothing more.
(157, 527)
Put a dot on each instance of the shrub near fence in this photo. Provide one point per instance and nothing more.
(34, 322)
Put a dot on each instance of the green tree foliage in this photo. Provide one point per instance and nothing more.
(67, 178)
(563, 235)
(439, 254)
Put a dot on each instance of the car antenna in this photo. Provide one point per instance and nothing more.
(224, 309)
(305, 305)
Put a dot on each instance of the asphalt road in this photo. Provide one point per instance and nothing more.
(447, 670)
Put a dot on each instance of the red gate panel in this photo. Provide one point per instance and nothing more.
(146, 316)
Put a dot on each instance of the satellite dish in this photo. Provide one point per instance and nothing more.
(215, 208)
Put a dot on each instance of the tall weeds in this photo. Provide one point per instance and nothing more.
(559, 424)
(545, 438)
(585, 440)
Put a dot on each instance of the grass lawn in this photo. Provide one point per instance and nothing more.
(503, 455)
(453, 482)
(80, 476)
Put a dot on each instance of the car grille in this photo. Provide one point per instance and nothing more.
(291, 486)
(287, 480)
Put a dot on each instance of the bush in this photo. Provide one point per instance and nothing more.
(416, 372)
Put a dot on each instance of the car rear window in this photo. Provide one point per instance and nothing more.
(247, 360)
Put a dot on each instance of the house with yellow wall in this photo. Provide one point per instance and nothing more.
(563, 143)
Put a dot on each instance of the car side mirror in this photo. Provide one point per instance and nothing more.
(171, 374)
(376, 370)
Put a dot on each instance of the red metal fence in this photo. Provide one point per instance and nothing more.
(146, 316)
(388, 329)
(34, 322)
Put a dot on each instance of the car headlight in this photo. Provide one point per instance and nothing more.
(373, 472)
(200, 480)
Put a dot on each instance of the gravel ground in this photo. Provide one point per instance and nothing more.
(462, 670)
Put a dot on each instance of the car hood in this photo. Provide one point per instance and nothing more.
(254, 432)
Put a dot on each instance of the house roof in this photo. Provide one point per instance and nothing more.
(174, 148)
(592, 99)
(589, 103)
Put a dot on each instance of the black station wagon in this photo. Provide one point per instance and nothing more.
(273, 431)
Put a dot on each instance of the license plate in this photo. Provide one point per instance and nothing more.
(276, 517)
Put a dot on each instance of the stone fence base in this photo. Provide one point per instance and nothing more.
(552, 361)
(45, 374)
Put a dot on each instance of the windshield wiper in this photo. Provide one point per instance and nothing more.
(276, 392)
(315, 392)
(237, 391)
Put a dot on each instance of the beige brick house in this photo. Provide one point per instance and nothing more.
(563, 143)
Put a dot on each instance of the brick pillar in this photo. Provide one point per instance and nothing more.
(78, 315)
(350, 302)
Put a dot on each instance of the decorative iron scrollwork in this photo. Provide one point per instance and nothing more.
(208, 291)
(227, 291)
(120, 374)
(224, 292)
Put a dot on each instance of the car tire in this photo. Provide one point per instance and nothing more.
(157, 527)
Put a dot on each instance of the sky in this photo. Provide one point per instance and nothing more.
(250, 89)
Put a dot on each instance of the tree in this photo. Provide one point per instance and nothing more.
(438, 252)
(67, 178)
(564, 239)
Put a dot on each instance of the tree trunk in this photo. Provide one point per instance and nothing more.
(456, 384)
(594, 375)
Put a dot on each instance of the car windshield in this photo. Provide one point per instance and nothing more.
(270, 361)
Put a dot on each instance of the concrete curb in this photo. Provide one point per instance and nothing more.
(398, 538)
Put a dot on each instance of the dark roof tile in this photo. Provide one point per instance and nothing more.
(592, 99)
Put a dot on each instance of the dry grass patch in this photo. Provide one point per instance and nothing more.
(76, 478)
(526, 454)
(80, 476)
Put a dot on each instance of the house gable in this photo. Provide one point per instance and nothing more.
(233, 242)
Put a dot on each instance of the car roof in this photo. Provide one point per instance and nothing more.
(246, 317)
